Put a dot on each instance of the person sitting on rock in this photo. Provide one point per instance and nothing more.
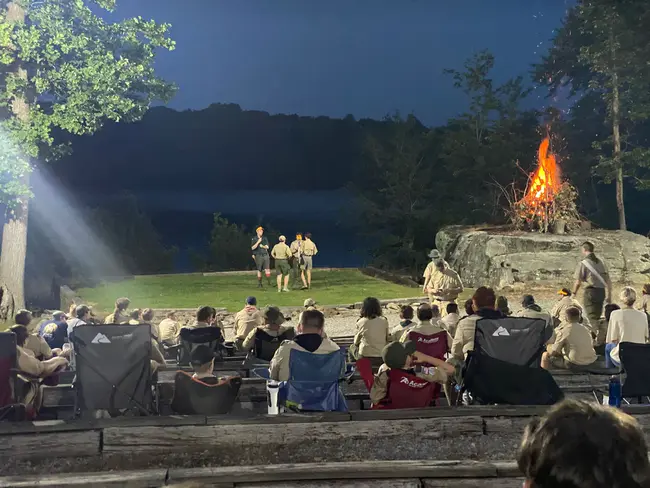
(273, 320)
(573, 346)
(372, 332)
(119, 315)
(625, 325)
(406, 320)
(247, 320)
(403, 355)
(450, 321)
(428, 324)
(310, 339)
(558, 313)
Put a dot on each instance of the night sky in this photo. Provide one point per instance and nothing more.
(337, 57)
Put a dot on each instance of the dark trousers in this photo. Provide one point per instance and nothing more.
(593, 301)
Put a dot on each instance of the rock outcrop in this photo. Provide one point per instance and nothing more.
(495, 256)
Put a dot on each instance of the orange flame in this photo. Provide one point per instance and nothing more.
(545, 181)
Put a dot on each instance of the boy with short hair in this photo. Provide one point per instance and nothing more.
(573, 344)
(406, 315)
(202, 360)
(402, 355)
(450, 321)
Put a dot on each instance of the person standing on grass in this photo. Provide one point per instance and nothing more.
(260, 248)
(598, 290)
(296, 261)
(309, 250)
(281, 253)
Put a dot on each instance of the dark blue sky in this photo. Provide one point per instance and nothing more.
(335, 57)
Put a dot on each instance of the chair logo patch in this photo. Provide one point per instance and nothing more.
(428, 341)
(413, 384)
(100, 339)
(501, 331)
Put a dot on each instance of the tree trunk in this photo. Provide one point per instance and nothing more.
(14, 233)
(616, 130)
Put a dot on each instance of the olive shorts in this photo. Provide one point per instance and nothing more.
(307, 260)
(262, 262)
(282, 267)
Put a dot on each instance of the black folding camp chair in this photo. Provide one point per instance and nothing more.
(190, 338)
(266, 344)
(203, 397)
(10, 407)
(635, 363)
(114, 370)
(505, 365)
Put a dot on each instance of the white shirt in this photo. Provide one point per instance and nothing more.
(627, 325)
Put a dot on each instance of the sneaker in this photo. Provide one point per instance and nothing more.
(285, 289)
(303, 287)
(279, 291)
(259, 285)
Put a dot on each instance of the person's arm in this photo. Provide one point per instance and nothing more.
(156, 354)
(613, 332)
(315, 249)
(608, 298)
(457, 343)
(379, 388)
(556, 348)
(579, 277)
(250, 340)
(274, 253)
(438, 363)
(44, 348)
(256, 245)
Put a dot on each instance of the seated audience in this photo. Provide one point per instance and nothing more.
(468, 308)
(533, 311)
(273, 320)
(309, 304)
(483, 305)
(134, 317)
(372, 331)
(202, 360)
(428, 324)
(573, 346)
(215, 321)
(559, 309)
(584, 445)
(246, 320)
(81, 317)
(147, 318)
(169, 329)
(406, 320)
(310, 339)
(33, 342)
(503, 306)
(644, 303)
(625, 325)
(403, 356)
(55, 331)
(28, 362)
(450, 321)
(119, 315)
(203, 317)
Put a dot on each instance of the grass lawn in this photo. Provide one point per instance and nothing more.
(230, 291)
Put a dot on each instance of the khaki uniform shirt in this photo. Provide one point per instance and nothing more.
(249, 342)
(116, 319)
(449, 322)
(168, 331)
(309, 248)
(296, 248)
(464, 338)
(279, 367)
(246, 320)
(427, 328)
(371, 337)
(38, 347)
(559, 310)
(27, 363)
(584, 274)
(445, 280)
(574, 344)
(534, 314)
(281, 251)
(379, 388)
(644, 304)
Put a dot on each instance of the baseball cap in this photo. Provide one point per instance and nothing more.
(251, 301)
(528, 300)
(564, 292)
(273, 316)
(282, 238)
(259, 228)
(310, 302)
(435, 254)
(395, 354)
(58, 314)
(201, 355)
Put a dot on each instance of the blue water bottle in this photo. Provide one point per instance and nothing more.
(615, 391)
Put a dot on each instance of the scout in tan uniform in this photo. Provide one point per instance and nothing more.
(272, 320)
(397, 355)
(309, 250)
(598, 290)
(169, 329)
(428, 324)
(310, 339)
(296, 252)
(119, 315)
(281, 253)
(246, 320)
(372, 332)
(558, 313)
(573, 344)
(441, 283)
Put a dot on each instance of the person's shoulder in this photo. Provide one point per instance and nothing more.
(329, 344)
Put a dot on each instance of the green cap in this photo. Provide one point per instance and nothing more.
(395, 354)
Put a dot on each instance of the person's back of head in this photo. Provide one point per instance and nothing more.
(121, 304)
(203, 314)
(147, 315)
(469, 308)
(628, 296)
(573, 315)
(646, 289)
(81, 311)
(589, 250)
(273, 317)
(371, 308)
(135, 314)
(23, 317)
(425, 312)
(452, 308)
(609, 308)
(435, 311)
(311, 322)
(484, 297)
(527, 301)
(58, 316)
(502, 305)
(308, 235)
(584, 445)
(406, 312)
(21, 334)
(202, 359)
(171, 315)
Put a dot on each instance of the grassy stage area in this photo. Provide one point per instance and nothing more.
(230, 290)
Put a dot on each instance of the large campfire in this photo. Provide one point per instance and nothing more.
(548, 203)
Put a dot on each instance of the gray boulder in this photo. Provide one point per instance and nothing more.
(498, 257)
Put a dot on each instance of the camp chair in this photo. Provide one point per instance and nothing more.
(505, 365)
(364, 367)
(434, 345)
(406, 390)
(10, 406)
(635, 364)
(201, 397)
(114, 369)
(266, 344)
(190, 338)
(313, 383)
